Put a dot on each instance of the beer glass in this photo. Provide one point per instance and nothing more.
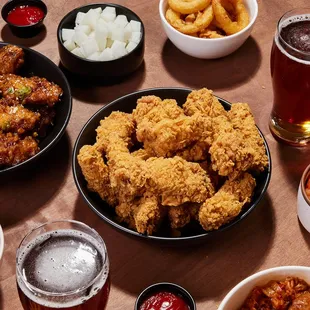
(63, 265)
(290, 72)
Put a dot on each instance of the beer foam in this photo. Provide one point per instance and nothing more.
(284, 23)
(61, 262)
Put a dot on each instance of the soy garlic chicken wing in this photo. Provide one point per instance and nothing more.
(33, 90)
(203, 101)
(96, 173)
(14, 150)
(227, 203)
(17, 119)
(11, 59)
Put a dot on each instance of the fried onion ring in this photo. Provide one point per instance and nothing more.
(210, 34)
(202, 21)
(225, 22)
(188, 6)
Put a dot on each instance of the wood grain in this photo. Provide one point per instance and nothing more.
(270, 236)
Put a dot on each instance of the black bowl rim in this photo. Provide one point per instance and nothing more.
(160, 238)
(63, 128)
(76, 10)
(24, 26)
(154, 288)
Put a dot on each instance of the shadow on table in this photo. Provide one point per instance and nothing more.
(8, 37)
(1, 298)
(104, 91)
(230, 71)
(208, 271)
(21, 194)
(295, 160)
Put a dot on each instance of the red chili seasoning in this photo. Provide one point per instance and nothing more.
(25, 15)
(164, 301)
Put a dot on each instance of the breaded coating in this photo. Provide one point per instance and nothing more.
(11, 59)
(33, 90)
(243, 122)
(177, 181)
(203, 101)
(179, 216)
(153, 109)
(17, 119)
(227, 203)
(96, 173)
(141, 154)
(14, 150)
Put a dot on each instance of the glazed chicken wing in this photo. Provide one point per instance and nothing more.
(33, 90)
(11, 59)
(14, 150)
(227, 203)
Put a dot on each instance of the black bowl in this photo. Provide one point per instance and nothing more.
(166, 287)
(28, 30)
(127, 103)
(38, 64)
(104, 69)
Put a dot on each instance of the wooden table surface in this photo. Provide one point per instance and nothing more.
(270, 236)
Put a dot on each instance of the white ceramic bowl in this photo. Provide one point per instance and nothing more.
(236, 297)
(208, 48)
(1, 243)
(303, 202)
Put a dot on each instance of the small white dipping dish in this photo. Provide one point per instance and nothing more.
(1, 243)
(236, 297)
(303, 201)
(208, 48)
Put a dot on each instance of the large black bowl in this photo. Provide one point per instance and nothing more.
(127, 104)
(116, 68)
(39, 65)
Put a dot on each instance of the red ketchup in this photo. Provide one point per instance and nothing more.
(164, 301)
(25, 15)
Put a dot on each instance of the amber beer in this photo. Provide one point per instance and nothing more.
(290, 72)
(63, 265)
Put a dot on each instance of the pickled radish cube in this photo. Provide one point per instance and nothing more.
(118, 35)
(102, 43)
(127, 32)
(92, 35)
(136, 26)
(89, 47)
(121, 20)
(131, 46)
(135, 37)
(79, 37)
(109, 43)
(67, 34)
(91, 18)
(108, 14)
(101, 30)
(69, 45)
(106, 55)
(98, 10)
(111, 28)
(78, 52)
(84, 28)
(94, 56)
(79, 17)
(118, 49)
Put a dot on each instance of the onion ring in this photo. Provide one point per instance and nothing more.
(190, 18)
(225, 22)
(210, 34)
(188, 6)
(202, 21)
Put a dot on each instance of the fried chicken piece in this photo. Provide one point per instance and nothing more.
(203, 101)
(96, 173)
(33, 90)
(227, 203)
(243, 122)
(177, 181)
(47, 115)
(14, 150)
(17, 119)
(11, 59)
(179, 216)
(141, 154)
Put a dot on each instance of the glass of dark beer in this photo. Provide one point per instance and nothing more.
(63, 265)
(290, 72)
